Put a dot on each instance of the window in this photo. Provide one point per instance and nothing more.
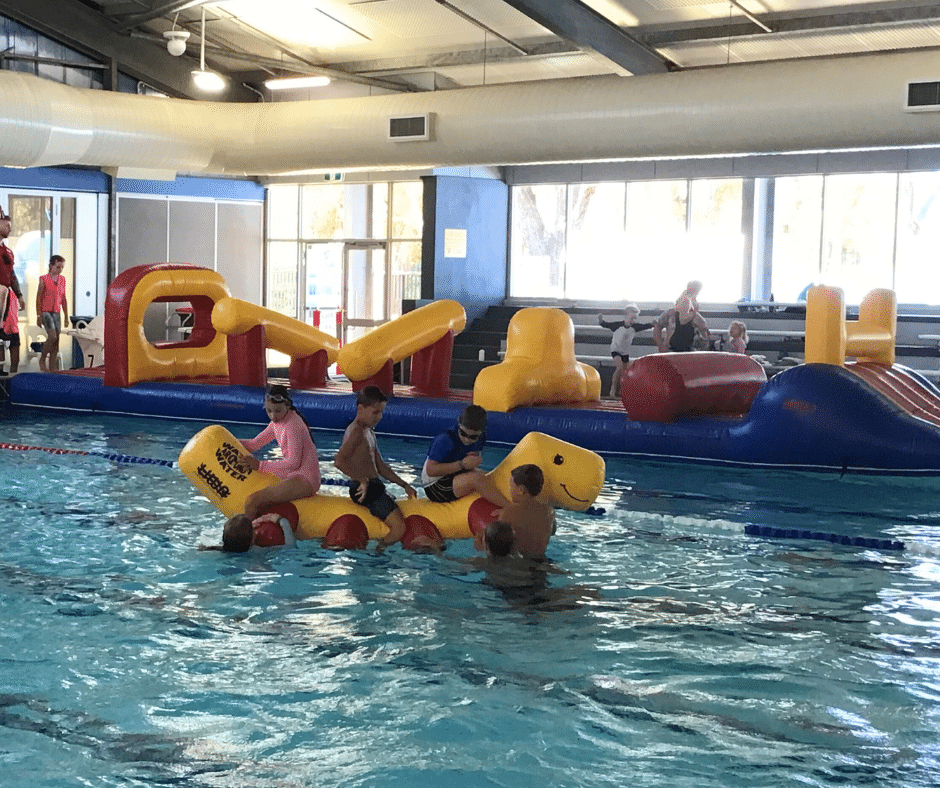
(916, 274)
(859, 214)
(311, 228)
(715, 242)
(537, 254)
(595, 218)
(797, 236)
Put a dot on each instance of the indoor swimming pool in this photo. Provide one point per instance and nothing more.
(671, 650)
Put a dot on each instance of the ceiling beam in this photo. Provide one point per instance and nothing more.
(791, 22)
(163, 9)
(467, 57)
(573, 21)
(93, 34)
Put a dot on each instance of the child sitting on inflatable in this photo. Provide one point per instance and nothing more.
(358, 457)
(300, 467)
(533, 522)
(452, 468)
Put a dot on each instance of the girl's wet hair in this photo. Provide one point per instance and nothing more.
(278, 393)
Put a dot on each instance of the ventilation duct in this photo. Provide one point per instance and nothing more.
(827, 104)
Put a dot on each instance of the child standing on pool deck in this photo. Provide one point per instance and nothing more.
(358, 457)
(620, 343)
(299, 468)
(452, 470)
(737, 338)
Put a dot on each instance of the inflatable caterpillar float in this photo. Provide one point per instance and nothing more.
(573, 480)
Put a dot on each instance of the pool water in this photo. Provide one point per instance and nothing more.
(673, 651)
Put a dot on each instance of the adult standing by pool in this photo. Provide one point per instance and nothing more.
(51, 303)
(9, 331)
(675, 328)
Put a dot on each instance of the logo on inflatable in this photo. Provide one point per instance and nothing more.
(212, 481)
(230, 459)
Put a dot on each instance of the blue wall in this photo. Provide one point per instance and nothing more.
(481, 207)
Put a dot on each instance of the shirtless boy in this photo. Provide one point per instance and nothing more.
(358, 457)
(532, 521)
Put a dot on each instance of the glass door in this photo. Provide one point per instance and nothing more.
(323, 266)
(365, 285)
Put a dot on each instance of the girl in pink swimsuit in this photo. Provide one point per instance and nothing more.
(299, 469)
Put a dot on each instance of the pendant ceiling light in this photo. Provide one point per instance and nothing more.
(208, 81)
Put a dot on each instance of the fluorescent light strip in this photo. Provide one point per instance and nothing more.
(291, 83)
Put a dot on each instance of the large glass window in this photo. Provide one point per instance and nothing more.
(538, 241)
(323, 213)
(715, 243)
(627, 241)
(916, 273)
(595, 219)
(797, 236)
(859, 213)
(312, 228)
(407, 210)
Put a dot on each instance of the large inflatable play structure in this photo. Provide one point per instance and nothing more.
(849, 409)
(573, 480)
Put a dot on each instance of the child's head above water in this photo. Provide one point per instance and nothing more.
(237, 534)
(370, 395)
(500, 540)
(529, 477)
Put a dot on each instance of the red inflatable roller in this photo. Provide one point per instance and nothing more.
(348, 532)
(420, 530)
(269, 533)
(670, 386)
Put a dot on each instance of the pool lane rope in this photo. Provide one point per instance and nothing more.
(596, 511)
(773, 532)
(92, 453)
(126, 458)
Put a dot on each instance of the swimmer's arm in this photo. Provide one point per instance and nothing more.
(291, 452)
(438, 469)
(347, 453)
(262, 439)
(289, 538)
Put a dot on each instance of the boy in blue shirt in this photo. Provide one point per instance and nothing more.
(451, 469)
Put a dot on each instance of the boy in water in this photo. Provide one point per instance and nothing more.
(532, 521)
(358, 457)
(452, 470)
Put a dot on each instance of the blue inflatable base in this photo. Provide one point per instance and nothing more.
(813, 417)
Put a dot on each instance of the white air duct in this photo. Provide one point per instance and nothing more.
(827, 104)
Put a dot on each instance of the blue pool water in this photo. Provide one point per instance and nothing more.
(675, 651)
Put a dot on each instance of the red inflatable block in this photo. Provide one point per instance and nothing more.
(268, 533)
(481, 514)
(418, 526)
(670, 386)
(287, 510)
(347, 532)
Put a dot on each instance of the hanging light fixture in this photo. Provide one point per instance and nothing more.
(208, 81)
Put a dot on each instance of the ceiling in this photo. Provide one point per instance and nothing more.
(370, 46)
